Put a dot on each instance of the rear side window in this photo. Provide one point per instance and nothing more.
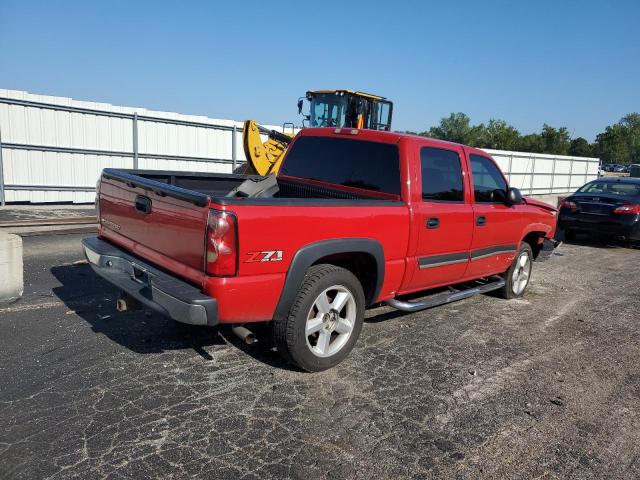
(352, 163)
(486, 179)
(441, 175)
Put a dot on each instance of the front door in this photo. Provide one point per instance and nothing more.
(445, 219)
(496, 226)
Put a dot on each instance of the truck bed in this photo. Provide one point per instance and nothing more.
(203, 188)
(172, 231)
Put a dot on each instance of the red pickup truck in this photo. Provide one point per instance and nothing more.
(354, 218)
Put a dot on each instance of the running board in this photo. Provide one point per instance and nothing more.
(445, 297)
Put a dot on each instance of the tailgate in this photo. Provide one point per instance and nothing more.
(167, 219)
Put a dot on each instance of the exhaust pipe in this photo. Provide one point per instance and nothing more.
(244, 334)
(126, 303)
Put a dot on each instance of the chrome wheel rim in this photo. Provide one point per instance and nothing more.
(521, 273)
(330, 321)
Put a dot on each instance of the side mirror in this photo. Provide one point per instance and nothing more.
(499, 196)
(300, 107)
(514, 197)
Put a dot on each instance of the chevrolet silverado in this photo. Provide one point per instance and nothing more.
(354, 218)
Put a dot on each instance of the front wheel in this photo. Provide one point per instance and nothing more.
(324, 321)
(519, 273)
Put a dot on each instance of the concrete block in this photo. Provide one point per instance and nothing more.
(11, 271)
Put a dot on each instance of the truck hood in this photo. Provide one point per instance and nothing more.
(539, 204)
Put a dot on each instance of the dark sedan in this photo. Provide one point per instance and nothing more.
(607, 206)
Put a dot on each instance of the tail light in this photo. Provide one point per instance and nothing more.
(97, 200)
(222, 244)
(569, 204)
(629, 209)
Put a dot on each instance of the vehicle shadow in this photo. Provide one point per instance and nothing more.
(594, 240)
(93, 299)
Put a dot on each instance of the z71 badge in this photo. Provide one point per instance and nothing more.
(266, 256)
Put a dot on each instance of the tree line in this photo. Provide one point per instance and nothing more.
(618, 143)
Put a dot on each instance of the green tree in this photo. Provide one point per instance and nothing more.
(498, 135)
(618, 143)
(555, 140)
(632, 124)
(580, 147)
(531, 143)
(613, 145)
(455, 128)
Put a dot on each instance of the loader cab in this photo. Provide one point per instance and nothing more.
(347, 109)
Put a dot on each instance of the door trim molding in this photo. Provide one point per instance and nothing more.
(444, 259)
(491, 251)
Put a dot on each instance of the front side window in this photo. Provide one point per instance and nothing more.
(486, 179)
(441, 175)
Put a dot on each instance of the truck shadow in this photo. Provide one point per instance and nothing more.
(93, 299)
(594, 241)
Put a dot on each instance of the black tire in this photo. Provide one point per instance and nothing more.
(569, 234)
(290, 332)
(509, 291)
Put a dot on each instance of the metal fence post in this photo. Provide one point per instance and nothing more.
(510, 167)
(570, 175)
(135, 141)
(533, 172)
(553, 173)
(586, 172)
(2, 199)
(233, 148)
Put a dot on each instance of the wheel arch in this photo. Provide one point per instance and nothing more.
(362, 256)
(535, 239)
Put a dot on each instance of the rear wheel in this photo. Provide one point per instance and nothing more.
(519, 273)
(324, 321)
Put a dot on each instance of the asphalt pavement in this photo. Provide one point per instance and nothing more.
(547, 386)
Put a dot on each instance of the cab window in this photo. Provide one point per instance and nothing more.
(353, 163)
(486, 179)
(441, 175)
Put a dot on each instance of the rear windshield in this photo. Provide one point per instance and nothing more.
(612, 188)
(352, 163)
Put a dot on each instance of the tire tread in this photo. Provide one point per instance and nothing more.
(284, 328)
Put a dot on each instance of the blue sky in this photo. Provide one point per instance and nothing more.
(567, 63)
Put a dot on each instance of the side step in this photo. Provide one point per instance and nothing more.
(445, 297)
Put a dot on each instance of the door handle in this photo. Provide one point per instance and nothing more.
(481, 221)
(433, 222)
(143, 204)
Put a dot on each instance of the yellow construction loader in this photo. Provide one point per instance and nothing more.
(327, 108)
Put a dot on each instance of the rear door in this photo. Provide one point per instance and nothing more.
(496, 227)
(445, 219)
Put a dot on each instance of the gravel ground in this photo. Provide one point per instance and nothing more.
(545, 386)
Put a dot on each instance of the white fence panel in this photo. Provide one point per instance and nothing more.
(540, 173)
(52, 149)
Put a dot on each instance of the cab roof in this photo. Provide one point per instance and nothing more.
(346, 92)
(378, 136)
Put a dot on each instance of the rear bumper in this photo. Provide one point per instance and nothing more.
(627, 226)
(160, 291)
(548, 247)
